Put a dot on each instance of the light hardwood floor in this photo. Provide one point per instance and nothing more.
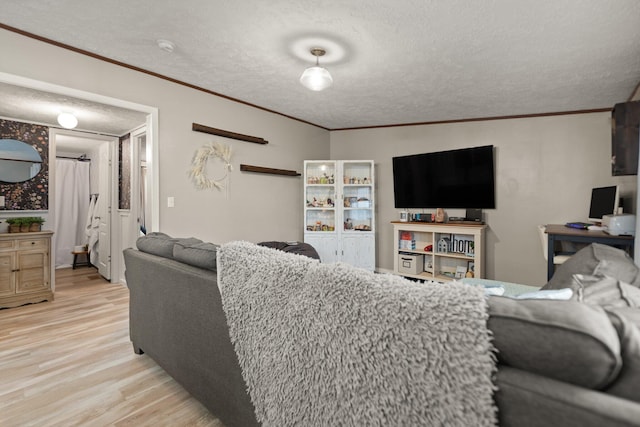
(69, 362)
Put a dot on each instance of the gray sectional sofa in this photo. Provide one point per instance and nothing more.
(559, 363)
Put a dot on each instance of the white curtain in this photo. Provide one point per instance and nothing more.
(72, 205)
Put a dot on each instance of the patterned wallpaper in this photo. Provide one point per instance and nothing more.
(32, 194)
(124, 172)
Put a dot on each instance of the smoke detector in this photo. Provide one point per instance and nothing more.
(166, 45)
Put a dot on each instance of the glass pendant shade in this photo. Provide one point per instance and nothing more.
(316, 78)
(67, 120)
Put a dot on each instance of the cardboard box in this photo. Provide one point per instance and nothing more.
(410, 263)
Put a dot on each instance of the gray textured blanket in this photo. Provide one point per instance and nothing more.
(333, 345)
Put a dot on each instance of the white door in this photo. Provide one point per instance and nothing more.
(104, 212)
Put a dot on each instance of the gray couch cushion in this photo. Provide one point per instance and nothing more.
(201, 254)
(565, 340)
(604, 291)
(627, 385)
(632, 314)
(161, 244)
(596, 259)
(529, 400)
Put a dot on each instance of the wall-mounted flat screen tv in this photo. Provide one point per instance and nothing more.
(461, 178)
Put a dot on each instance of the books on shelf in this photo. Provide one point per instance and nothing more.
(407, 241)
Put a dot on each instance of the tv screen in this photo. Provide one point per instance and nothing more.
(447, 179)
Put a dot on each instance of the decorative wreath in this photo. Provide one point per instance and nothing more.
(198, 170)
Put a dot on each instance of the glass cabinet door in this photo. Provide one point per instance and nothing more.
(357, 196)
(320, 196)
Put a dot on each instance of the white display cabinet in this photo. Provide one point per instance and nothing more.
(441, 252)
(339, 212)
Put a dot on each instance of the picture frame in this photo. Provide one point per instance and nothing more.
(428, 263)
(471, 266)
(461, 272)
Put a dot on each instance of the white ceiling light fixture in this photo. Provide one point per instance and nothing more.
(316, 78)
(67, 120)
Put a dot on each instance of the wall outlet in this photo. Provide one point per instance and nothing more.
(171, 202)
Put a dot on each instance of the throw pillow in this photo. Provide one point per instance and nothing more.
(564, 340)
(201, 254)
(627, 385)
(596, 259)
(299, 248)
(604, 291)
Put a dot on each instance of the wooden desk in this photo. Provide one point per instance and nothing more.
(559, 233)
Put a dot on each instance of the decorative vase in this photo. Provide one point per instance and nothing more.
(24, 228)
(35, 226)
(14, 228)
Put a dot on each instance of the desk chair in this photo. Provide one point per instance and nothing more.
(544, 239)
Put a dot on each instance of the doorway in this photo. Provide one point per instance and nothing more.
(43, 96)
(82, 178)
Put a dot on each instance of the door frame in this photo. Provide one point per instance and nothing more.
(152, 138)
(113, 178)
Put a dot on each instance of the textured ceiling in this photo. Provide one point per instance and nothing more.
(393, 62)
(36, 106)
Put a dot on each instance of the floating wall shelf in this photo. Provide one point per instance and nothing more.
(272, 171)
(219, 132)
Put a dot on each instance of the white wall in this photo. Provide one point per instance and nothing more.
(258, 207)
(545, 169)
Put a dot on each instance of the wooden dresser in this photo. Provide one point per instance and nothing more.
(25, 268)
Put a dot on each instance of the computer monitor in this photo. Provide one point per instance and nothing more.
(604, 201)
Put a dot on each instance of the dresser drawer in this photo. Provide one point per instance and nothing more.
(7, 245)
(32, 244)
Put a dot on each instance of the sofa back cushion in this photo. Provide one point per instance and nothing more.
(161, 244)
(564, 340)
(200, 254)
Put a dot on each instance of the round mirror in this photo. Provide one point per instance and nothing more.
(19, 161)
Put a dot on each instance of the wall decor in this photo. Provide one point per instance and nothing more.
(272, 171)
(198, 171)
(219, 132)
(32, 193)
